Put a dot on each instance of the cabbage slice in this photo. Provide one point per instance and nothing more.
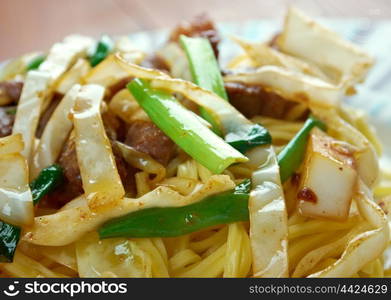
(101, 181)
(30, 104)
(62, 55)
(55, 133)
(73, 76)
(118, 257)
(11, 144)
(108, 73)
(292, 85)
(304, 38)
(49, 230)
(268, 216)
(365, 155)
(16, 206)
(264, 55)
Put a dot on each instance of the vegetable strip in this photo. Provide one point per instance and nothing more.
(184, 128)
(292, 155)
(205, 71)
(103, 49)
(227, 207)
(9, 238)
(47, 180)
(35, 62)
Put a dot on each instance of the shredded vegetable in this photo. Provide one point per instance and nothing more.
(9, 238)
(47, 181)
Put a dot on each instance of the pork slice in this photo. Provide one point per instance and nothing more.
(146, 137)
(10, 91)
(253, 100)
(200, 26)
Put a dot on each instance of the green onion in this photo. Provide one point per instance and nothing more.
(248, 137)
(103, 48)
(9, 238)
(184, 128)
(35, 62)
(223, 208)
(206, 74)
(48, 179)
(291, 157)
(10, 110)
(205, 71)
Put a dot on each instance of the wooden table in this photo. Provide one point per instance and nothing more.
(28, 25)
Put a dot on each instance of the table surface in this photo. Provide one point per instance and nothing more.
(29, 25)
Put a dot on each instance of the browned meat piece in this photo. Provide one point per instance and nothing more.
(72, 187)
(68, 161)
(255, 100)
(7, 118)
(47, 114)
(154, 61)
(146, 137)
(115, 127)
(118, 86)
(201, 26)
(10, 91)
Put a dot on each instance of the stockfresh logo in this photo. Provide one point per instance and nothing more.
(71, 289)
(12, 290)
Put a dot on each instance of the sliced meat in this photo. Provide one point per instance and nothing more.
(146, 137)
(73, 187)
(113, 89)
(10, 91)
(255, 100)
(114, 126)
(154, 61)
(201, 26)
(68, 161)
(44, 119)
(7, 118)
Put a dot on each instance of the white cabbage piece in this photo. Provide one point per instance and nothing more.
(117, 257)
(62, 55)
(263, 55)
(365, 155)
(34, 91)
(16, 205)
(16, 68)
(55, 133)
(292, 85)
(328, 178)
(11, 144)
(108, 72)
(73, 76)
(49, 230)
(268, 216)
(134, 70)
(101, 181)
(304, 38)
